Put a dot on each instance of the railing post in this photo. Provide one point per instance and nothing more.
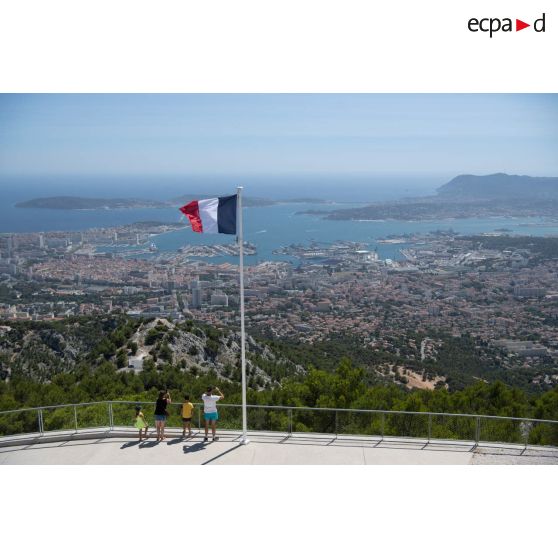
(429, 427)
(111, 416)
(75, 418)
(289, 422)
(383, 424)
(527, 425)
(40, 419)
(477, 432)
(336, 423)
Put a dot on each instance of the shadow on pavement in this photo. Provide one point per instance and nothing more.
(198, 446)
(511, 452)
(367, 444)
(130, 444)
(150, 444)
(220, 455)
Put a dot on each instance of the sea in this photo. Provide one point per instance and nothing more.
(268, 227)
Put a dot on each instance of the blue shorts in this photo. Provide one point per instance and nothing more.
(161, 417)
(211, 416)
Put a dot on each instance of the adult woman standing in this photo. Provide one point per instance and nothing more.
(161, 413)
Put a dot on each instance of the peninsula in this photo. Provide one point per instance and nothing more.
(74, 202)
(463, 197)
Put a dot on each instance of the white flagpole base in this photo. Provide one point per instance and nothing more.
(244, 441)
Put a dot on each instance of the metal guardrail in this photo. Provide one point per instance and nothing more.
(324, 420)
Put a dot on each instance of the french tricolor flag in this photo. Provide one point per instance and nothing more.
(214, 215)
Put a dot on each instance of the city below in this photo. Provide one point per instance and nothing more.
(496, 289)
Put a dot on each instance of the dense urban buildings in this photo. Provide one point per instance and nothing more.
(500, 290)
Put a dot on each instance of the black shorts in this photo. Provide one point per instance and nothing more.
(186, 419)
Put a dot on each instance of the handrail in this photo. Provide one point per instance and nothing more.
(287, 408)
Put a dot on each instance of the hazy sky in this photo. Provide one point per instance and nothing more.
(175, 134)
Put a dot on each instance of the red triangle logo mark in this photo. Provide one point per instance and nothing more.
(519, 25)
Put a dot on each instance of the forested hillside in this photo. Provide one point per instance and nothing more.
(39, 351)
(86, 359)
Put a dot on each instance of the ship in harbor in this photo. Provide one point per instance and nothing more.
(216, 250)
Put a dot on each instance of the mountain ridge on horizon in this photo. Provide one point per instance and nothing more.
(463, 187)
(500, 185)
(84, 202)
(465, 196)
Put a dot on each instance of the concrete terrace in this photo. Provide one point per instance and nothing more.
(121, 447)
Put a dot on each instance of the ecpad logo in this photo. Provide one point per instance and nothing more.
(493, 25)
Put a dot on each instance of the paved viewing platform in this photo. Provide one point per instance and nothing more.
(121, 447)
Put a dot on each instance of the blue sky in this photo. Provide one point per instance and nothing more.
(314, 133)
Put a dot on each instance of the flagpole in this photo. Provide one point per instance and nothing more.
(244, 438)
